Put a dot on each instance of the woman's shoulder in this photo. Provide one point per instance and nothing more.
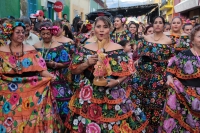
(5, 48)
(116, 46)
(38, 45)
(67, 40)
(163, 40)
(28, 47)
(167, 40)
(91, 46)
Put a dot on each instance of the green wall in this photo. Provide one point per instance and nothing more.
(94, 5)
(66, 9)
(9, 8)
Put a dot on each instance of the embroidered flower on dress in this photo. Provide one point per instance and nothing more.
(86, 93)
(169, 125)
(21, 127)
(94, 112)
(6, 108)
(83, 120)
(26, 104)
(2, 129)
(12, 87)
(14, 98)
(64, 56)
(93, 128)
(179, 87)
(125, 128)
(26, 62)
(12, 59)
(55, 92)
(17, 80)
(190, 120)
(109, 127)
(65, 108)
(196, 104)
(33, 80)
(188, 67)
(80, 127)
(172, 101)
(75, 122)
(8, 122)
(117, 107)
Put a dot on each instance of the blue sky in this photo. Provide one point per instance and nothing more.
(124, 3)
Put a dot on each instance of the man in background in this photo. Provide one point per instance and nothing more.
(40, 18)
(30, 38)
(65, 18)
(193, 22)
(197, 20)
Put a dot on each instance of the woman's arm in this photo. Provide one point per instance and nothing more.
(45, 73)
(56, 65)
(80, 68)
(114, 82)
(91, 61)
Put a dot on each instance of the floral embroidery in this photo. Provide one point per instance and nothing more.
(9, 121)
(19, 94)
(12, 87)
(182, 100)
(103, 106)
(148, 82)
(6, 108)
(26, 62)
(2, 129)
(61, 88)
(12, 59)
(86, 93)
(93, 128)
(14, 98)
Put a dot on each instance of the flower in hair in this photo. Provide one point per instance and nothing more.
(55, 30)
(16, 24)
(188, 21)
(87, 22)
(7, 29)
(123, 20)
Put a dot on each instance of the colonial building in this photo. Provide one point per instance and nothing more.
(83, 7)
(72, 8)
(188, 8)
(167, 9)
(18, 8)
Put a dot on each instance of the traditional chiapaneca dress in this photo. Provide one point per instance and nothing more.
(71, 50)
(149, 80)
(180, 42)
(124, 35)
(26, 101)
(181, 113)
(100, 109)
(60, 87)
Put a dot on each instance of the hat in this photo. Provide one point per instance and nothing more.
(32, 16)
(39, 13)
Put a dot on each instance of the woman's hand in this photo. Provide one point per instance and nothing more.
(51, 64)
(112, 83)
(170, 80)
(92, 60)
(53, 78)
(136, 62)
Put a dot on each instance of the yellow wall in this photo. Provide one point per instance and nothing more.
(169, 11)
(80, 7)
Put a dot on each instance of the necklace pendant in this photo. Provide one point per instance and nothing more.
(19, 65)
